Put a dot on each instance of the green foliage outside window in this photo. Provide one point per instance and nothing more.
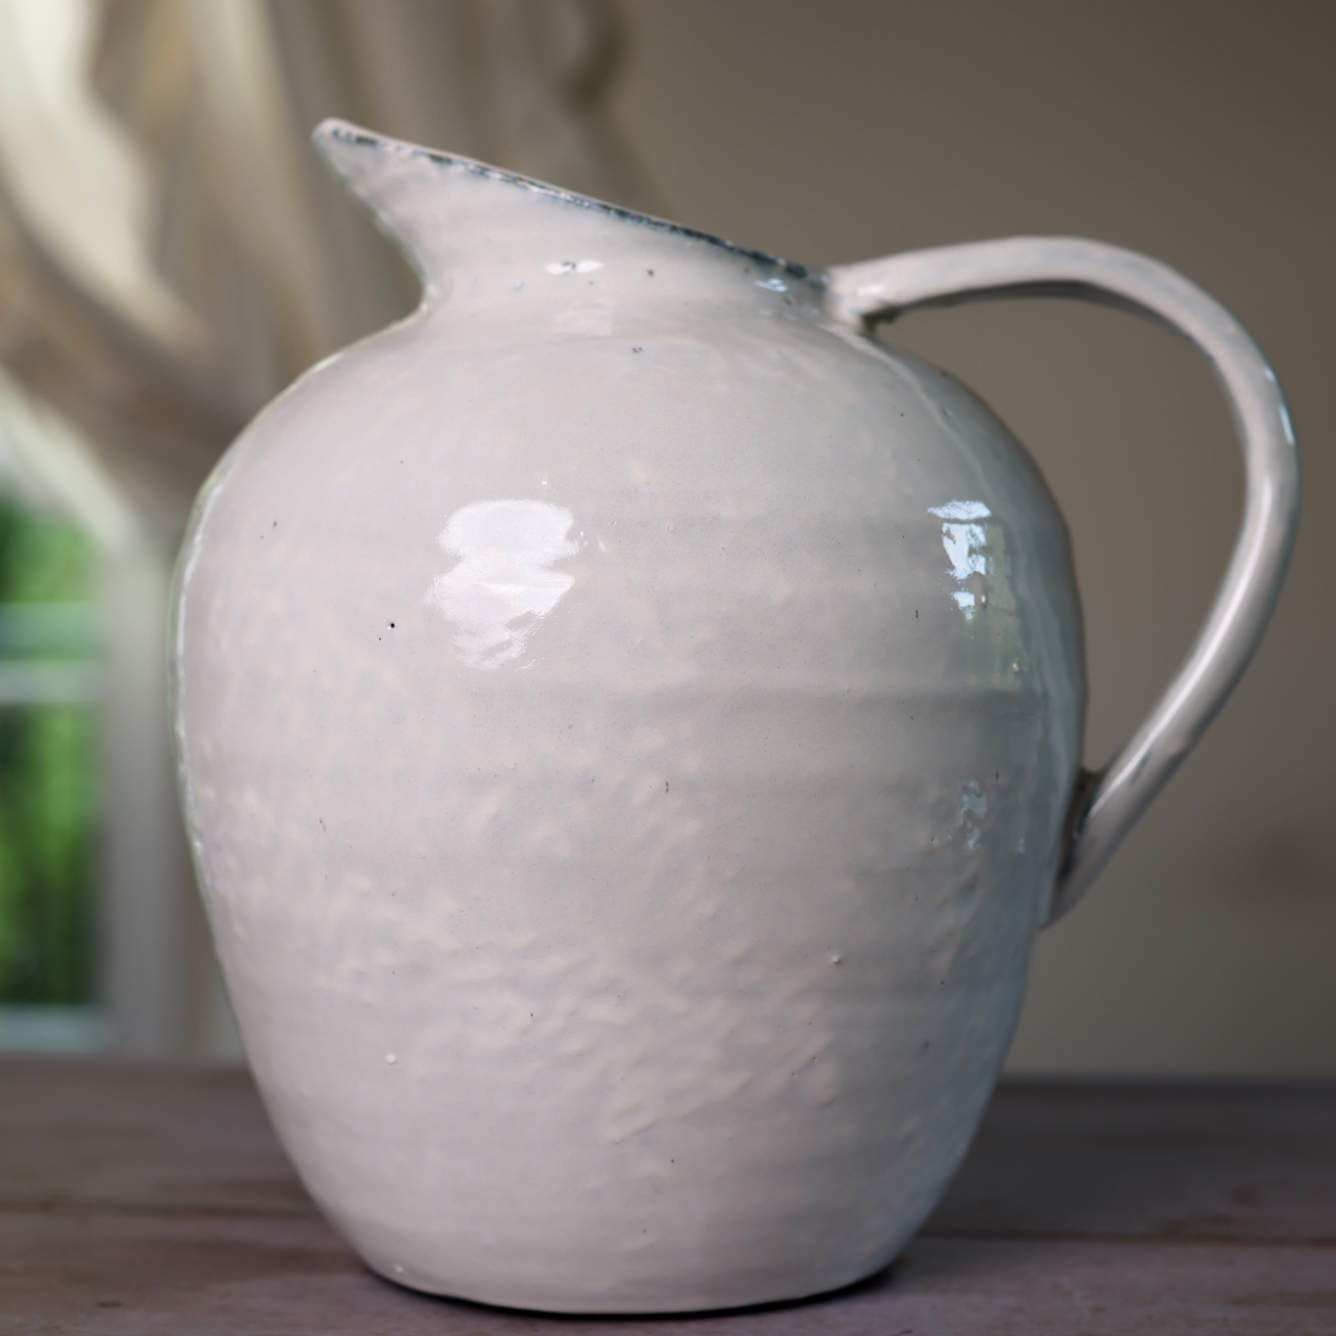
(47, 764)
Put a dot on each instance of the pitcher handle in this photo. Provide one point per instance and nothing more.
(1107, 802)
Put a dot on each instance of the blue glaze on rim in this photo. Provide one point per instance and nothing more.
(348, 134)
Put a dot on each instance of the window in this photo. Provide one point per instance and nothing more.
(48, 781)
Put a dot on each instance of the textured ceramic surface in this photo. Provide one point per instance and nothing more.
(628, 722)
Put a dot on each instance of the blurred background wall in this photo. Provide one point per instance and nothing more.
(170, 256)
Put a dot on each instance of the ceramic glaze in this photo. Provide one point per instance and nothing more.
(629, 729)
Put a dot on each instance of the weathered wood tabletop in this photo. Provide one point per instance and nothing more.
(138, 1201)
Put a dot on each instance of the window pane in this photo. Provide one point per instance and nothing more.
(47, 761)
(46, 848)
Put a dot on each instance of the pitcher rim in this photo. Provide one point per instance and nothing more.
(338, 129)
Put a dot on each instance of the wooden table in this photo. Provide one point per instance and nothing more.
(141, 1201)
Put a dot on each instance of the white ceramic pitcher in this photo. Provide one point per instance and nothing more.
(629, 729)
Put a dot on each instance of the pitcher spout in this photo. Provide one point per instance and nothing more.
(471, 229)
(402, 186)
